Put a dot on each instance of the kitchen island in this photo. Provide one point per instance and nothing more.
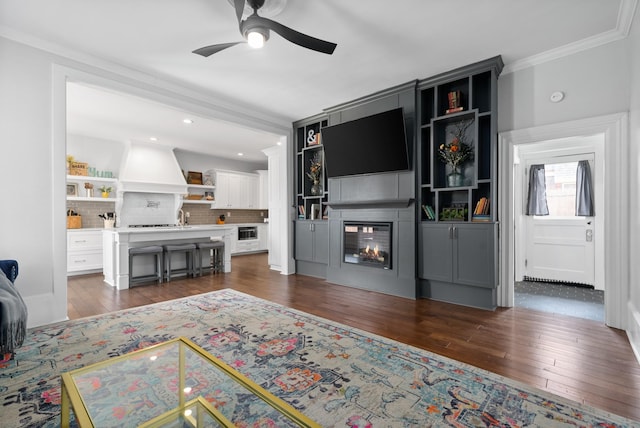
(116, 243)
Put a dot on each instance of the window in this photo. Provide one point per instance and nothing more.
(561, 188)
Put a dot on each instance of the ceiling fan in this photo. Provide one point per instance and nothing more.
(255, 29)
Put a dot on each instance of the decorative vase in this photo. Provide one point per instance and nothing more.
(316, 189)
(105, 194)
(455, 178)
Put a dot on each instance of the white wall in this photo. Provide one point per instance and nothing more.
(26, 180)
(104, 155)
(202, 163)
(634, 181)
(32, 175)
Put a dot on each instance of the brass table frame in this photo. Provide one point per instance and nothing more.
(71, 398)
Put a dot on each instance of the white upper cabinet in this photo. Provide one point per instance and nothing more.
(236, 190)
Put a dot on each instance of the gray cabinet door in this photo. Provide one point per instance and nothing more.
(460, 253)
(436, 261)
(474, 254)
(321, 242)
(304, 241)
(312, 241)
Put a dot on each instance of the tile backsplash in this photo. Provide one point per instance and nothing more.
(199, 213)
(202, 214)
(90, 211)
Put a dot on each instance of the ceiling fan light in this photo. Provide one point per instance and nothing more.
(255, 39)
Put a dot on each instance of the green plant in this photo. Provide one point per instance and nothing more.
(105, 189)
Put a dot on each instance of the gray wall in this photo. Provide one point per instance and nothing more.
(595, 83)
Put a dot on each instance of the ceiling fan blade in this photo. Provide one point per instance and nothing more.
(296, 37)
(239, 5)
(210, 50)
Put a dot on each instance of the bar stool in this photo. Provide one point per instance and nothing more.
(216, 261)
(157, 252)
(189, 251)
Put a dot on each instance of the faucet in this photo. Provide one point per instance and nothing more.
(181, 218)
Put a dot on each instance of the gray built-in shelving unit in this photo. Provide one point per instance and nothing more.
(458, 248)
(456, 252)
(311, 232)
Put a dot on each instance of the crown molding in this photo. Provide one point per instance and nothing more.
(162, 84)
(623, 26)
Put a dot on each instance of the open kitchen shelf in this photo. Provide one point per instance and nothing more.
(97, 182)
(199, 189)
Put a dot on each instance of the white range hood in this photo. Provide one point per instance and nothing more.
(151, 186)
(152, 169)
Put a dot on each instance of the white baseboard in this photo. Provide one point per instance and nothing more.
(633, 329)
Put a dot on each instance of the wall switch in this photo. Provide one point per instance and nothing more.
(228, 214)
(261, 213)
(187, 214)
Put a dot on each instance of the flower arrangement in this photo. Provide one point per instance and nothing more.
(315, 169)
(457, 151)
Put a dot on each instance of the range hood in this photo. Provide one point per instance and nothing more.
(150, 168)
(151, 186)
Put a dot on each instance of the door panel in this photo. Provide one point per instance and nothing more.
(304, 241)
(475, 254)
(560, 249)
(437, 252)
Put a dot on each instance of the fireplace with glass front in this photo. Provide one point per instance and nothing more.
(368, 244)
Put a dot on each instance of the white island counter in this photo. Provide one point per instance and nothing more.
(116, 243)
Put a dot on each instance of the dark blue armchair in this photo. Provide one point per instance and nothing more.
(10, 268)
(13, 311)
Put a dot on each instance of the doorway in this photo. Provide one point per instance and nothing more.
(607, 131)
(558, 245)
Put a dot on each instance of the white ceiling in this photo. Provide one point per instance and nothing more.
(380, 44)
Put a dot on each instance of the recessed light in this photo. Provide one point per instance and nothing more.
(240, 154)
(153, 138)
(187, 121)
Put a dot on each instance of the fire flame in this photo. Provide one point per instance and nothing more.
(368, 250)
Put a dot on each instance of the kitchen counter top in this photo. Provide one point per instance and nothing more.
(197, 227)
(118, 241)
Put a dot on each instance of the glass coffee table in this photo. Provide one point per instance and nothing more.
(171, 384)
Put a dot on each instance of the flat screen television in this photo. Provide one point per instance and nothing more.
(372, 144)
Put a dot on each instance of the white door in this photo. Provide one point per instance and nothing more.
(560, 246)
(560, 250)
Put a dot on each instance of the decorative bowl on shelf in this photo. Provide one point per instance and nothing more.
(194, 197)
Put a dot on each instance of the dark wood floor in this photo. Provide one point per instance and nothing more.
(575, 358)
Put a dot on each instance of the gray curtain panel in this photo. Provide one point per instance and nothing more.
(537, 200)
(584, 190)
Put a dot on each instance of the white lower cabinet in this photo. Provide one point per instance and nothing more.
(240, 246)
(84, 251)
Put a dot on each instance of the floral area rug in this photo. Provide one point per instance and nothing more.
(336, 375)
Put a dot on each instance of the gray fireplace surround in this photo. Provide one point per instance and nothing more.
(383, 198)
